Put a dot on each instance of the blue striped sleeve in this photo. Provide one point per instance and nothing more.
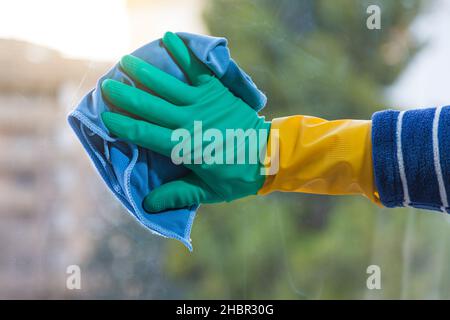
(411, 157)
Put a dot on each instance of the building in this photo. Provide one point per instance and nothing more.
(43, 198)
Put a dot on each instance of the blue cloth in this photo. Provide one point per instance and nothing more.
(411, 157)
(132, 172)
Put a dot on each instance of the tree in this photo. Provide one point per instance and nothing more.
(313, 57)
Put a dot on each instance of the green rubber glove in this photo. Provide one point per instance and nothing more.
(172, 117)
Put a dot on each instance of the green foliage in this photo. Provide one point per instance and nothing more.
(317, 58)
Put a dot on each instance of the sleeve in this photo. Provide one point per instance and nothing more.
(411, 157)
(322, 157)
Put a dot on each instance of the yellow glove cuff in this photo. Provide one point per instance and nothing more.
(322, 157)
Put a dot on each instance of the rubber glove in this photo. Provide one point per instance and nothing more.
(323, 157)
(170, 111)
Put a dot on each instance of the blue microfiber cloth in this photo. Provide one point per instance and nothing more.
(131, 172)
(411, 157)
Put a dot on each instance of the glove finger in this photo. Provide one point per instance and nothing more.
(140, 132)
(143, 104)
(196, 71)
(158, 81)
(181, 193)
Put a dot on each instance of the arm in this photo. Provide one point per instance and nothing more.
(323, 157)
(392, 160)
(398, 159)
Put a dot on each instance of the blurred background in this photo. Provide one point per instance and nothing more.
(310, 57)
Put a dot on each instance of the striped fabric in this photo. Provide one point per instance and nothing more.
(411, 155)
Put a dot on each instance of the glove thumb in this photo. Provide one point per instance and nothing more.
(187, 191)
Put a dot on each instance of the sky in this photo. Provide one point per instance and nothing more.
(71, 26)
(107, 29)
(426, 81)
(96, 29)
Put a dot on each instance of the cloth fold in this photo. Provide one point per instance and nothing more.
(131, 172)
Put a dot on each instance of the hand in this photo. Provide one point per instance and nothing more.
(200, 125)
